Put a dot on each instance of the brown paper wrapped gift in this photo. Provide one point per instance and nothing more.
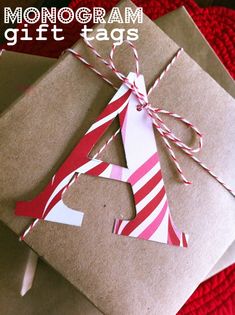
(45, 276)
(49, 283)
(130, 276)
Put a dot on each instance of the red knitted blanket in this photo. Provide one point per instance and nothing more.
(215, 296)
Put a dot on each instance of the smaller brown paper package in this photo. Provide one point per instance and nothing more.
(130, 276)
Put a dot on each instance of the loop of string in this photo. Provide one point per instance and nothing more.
(165, 132)
(161, 127)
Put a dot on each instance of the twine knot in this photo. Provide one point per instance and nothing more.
(154, 112)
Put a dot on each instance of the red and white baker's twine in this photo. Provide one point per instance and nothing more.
(164, 131)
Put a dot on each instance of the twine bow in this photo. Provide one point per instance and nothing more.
(154, 112)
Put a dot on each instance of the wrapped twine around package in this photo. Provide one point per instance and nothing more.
(146, 224)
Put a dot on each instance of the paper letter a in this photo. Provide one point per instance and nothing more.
(153, 219)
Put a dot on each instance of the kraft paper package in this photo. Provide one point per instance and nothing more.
(130, 275)
(45, 276)
(49, 283)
